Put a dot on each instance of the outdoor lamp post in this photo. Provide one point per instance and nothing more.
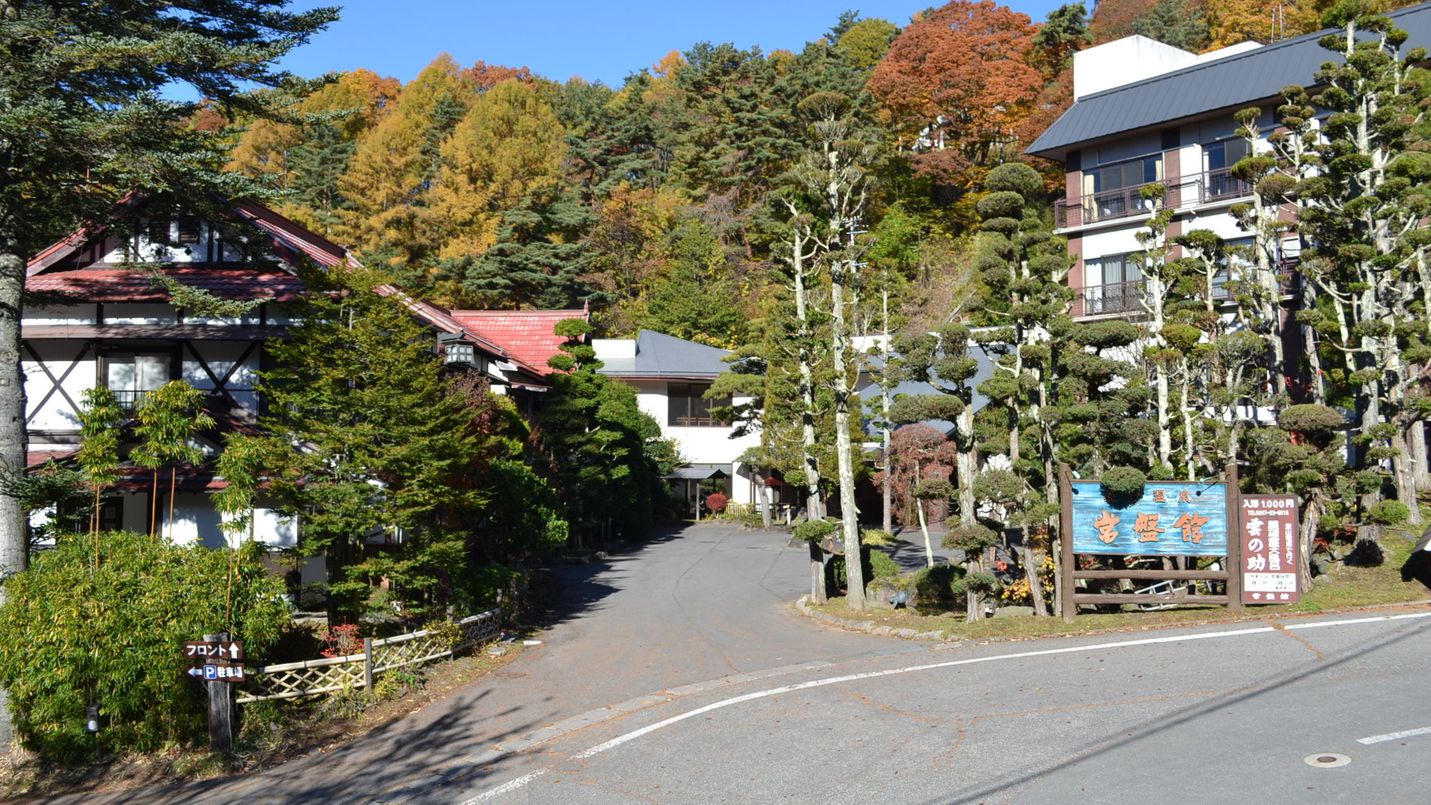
(91, 715)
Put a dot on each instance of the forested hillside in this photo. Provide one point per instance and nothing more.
(655, 202)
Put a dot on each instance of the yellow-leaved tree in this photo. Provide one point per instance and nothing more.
(395, 161)
(507, 151)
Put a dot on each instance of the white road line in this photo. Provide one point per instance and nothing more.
(505, 788)
(1392, 736)
(835, 680)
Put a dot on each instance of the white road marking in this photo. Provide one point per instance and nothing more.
(1393, 736)
(506, 787)
(835, 680)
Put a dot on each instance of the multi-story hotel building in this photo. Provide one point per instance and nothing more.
(1145, 113)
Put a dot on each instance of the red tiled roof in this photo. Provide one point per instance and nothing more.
(527, 335)
(446, 321)
(131, 285)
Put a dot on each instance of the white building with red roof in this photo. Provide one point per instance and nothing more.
(99, 312)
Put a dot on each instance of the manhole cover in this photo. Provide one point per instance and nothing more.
(1326, 760)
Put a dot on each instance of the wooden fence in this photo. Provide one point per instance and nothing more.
(334, 674)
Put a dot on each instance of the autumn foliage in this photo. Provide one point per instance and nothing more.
(957, 83)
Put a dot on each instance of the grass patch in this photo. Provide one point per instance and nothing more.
(1342, 588)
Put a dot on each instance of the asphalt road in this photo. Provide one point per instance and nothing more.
(681, 674)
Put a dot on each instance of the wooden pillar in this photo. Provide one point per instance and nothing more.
(1234, 539)
(221, 707)
(368, 657)
(1065, 538)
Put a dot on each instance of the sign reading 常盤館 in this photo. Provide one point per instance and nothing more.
(1270, 549)
(1169, 519)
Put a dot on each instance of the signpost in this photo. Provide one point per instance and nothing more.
(1169, 518)
(1270, 548)
(218, 660)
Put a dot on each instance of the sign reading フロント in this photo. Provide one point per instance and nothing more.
(1270, 549)
(1170, 519)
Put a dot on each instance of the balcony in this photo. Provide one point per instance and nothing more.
(1220, 185)
(1119, 298)
(1126, 202)
(1108, 205)
(128, 399)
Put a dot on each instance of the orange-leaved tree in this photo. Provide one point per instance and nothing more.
(956, 86)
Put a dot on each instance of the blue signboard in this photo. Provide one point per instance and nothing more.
(1170, 519)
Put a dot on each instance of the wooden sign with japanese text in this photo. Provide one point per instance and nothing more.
(200, 652)
(1170, 519)
(1270, 549)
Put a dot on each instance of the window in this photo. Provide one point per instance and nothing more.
(1219, 158)
(131, 375)
(688, 408)
(1113, 269)
(158, 230)
(1129, 173)
(188, 230)
(1114, 190)
(1112, 284)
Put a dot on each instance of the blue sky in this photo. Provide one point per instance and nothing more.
(599, 40)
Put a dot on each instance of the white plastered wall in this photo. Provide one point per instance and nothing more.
(45, 411)
(711, 445)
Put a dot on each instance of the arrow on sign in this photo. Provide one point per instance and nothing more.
(196, 671)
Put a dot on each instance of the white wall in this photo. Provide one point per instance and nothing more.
(56, 413)
(1125, 61)
(1136, 58)
(699, 445)
(221, 356)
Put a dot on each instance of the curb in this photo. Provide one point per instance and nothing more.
(940, 636)
(869, 627)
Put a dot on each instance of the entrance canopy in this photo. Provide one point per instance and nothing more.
(698, 472)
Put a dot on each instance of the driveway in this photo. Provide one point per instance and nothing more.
(710, 604)
(680, 673)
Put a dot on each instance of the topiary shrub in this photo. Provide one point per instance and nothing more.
(934, 589)
(80, 627)
(1389, 512)
(882, 565)
(971, 539)
(814, 530)
(1122, 486)
(1123, 481)
(876, 536)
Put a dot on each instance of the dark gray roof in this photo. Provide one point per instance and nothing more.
(869, 389)
(699, 472)
(1224, 84)
(660, 355)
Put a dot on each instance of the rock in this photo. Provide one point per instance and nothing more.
(1014, 612)
(497, 651)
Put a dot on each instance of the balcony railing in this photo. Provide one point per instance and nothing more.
(1100, 300)
(1222, 184)
(1125, 202)
(128, 399)
(1107, 206)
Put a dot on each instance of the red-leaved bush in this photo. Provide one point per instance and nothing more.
(716, 502)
